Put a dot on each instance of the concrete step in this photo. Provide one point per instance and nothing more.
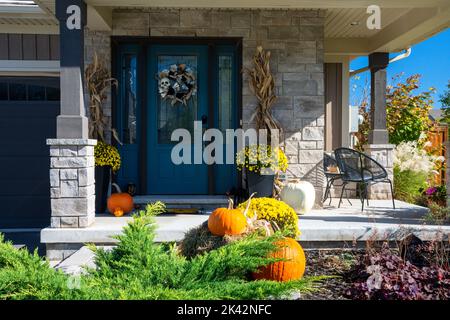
(330, 227)
(180, 202)
(77, 262)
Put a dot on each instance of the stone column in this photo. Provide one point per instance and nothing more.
(383, 154)
(72, 182)
(379, 147)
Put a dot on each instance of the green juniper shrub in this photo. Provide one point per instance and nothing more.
(138, 268)
(24, 275)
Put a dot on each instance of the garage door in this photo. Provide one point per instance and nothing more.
(28, 110)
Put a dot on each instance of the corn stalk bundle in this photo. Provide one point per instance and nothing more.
(98, 81)
(262, 85)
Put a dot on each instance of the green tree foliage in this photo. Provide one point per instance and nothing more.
(407, 112)
(445, 100)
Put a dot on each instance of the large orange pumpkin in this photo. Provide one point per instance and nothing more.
(292, 268)
(120, 203)
(227, 221)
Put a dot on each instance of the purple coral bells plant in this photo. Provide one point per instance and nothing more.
(430, 191)
(384, 275)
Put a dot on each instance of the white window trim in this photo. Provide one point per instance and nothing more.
(29, 68)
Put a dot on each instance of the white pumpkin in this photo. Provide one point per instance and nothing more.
(300, 195)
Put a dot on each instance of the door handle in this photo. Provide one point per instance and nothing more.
(204, 119)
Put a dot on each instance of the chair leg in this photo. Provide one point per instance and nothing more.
(366, 193)
(362, 194)
(329, 191)
(342, 193)
(325, 196)
(348, 200)
(392, 194)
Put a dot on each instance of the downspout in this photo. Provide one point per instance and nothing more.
(401, 56)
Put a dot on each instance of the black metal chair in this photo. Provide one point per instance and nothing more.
(329, 162)
(362, 169)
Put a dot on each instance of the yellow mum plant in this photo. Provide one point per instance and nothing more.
(271, 209)
(261, 159)
(107, 155)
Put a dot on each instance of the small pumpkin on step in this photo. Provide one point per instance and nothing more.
(120, 203)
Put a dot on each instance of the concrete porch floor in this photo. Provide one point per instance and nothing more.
(319, 227)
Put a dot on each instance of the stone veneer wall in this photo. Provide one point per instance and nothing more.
(72, 182)
(295, 38)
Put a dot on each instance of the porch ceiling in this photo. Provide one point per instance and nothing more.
(404, 23)
(26, 18)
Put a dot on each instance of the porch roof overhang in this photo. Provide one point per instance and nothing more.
(25, 17)
(404, 23)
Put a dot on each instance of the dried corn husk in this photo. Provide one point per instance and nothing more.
(98, 81)
(262, 85)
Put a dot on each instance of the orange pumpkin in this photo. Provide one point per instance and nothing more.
(227, 221)
(120, 203)
(292, 268)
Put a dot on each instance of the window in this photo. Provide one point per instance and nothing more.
(225, 97)
(130, 98)
(36, 93)
(17, 92)
(3, 91)
(179, 115)
(29, 89)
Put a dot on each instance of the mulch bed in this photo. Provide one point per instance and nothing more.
(334, 263)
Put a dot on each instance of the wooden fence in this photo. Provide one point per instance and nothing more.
(438, 137)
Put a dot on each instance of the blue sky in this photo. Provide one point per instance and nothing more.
(430, 58)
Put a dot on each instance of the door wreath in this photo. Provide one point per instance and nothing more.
(178, 84)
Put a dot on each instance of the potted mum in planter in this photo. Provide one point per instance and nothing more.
(261, 163)
(107, 159)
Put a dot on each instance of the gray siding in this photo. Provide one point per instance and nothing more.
(29, 46)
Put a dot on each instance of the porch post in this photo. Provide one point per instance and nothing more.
(72, 183)
(379, 147)
(378, 62)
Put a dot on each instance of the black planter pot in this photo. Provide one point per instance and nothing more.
(102, 177)
(261, 184)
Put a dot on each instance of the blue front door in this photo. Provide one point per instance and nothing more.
(164, 87)
(178, 96)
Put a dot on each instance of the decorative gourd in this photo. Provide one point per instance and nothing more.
(292, 268)
(300, 195)
(118, 213)
(227, 221)
(120, 203)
